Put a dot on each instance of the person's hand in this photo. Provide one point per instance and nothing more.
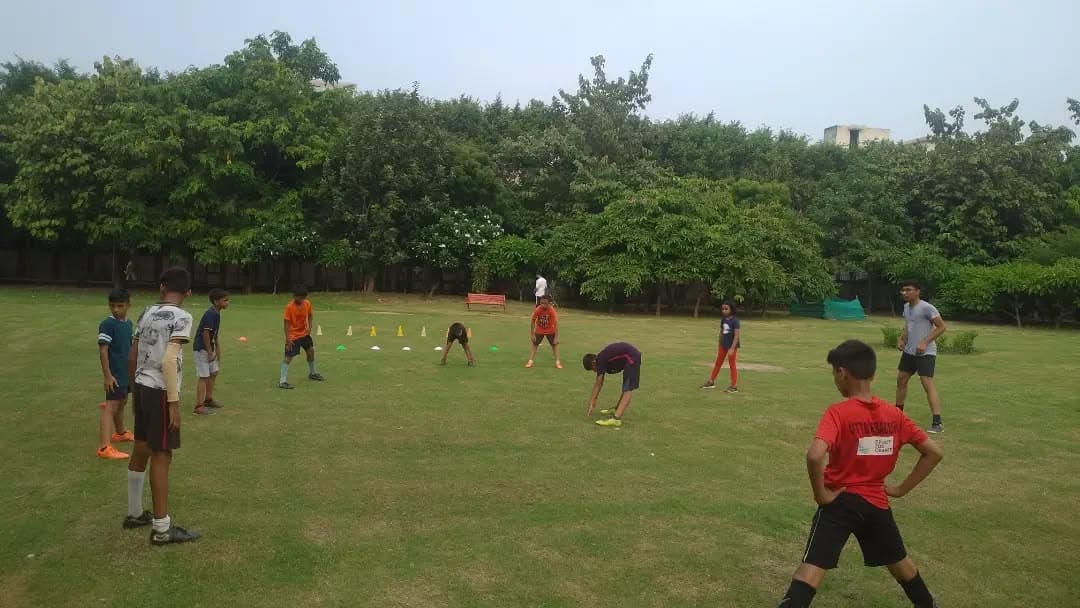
(210, 356)
(592, 406)
(899, 345)
(111, 384)
(921, 347)
(828, 496)
(894, 491)
(174, 416)
(288, 344)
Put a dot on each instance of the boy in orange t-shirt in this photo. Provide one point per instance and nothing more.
(299, 315)
(545, 324)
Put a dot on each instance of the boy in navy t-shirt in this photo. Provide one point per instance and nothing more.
(208, 352)
(619, 357)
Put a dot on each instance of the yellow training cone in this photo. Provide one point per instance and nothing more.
(468, 332)
(400, 331)
(349, 332)
(372, 334)
(318, 332)
(423, 331)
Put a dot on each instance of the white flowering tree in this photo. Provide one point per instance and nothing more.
(451, 243)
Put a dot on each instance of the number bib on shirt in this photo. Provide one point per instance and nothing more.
(875, 446)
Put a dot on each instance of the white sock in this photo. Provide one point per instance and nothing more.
(135, 485)
(163, 524)
(311, 366)
(284, 372)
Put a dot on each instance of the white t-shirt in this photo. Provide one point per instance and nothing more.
(158, 325)
(541, 286)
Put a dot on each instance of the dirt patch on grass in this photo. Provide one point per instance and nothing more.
(13, 588)
(754, 367)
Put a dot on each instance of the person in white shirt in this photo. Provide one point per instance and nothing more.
(541, 287)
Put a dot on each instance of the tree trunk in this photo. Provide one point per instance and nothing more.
(159, 266)
(697, 304)
(1016, 311)
(369, 282)
(659, 298)
(88, 274)
(434, 284)
(869, 292)
(21, 265)
(114, 270)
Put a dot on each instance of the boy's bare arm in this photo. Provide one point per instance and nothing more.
(133, 362)
(815, 468)
(106, 373)
(930, 456)
(595, 393)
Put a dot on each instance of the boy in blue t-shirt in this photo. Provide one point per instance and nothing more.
(114, 346)
(208, 352)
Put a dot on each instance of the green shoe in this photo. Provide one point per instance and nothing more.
(615, 422)
(609, 411)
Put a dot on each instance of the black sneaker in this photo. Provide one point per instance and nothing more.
(286, 385)
(471, 364)
(145, 519)
(316, 376)
(731, 389)
(936, 428)
(213, 404)
(174, 535)
(709, 384)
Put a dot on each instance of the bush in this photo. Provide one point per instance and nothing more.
(953, 342)
(958, 342)
(891, 334)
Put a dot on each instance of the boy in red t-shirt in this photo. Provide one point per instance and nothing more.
(862, 437)
(545, 324)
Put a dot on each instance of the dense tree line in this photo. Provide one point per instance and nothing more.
(246, 161)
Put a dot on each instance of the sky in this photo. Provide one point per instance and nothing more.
(796, 64)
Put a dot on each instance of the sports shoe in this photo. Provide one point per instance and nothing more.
(610, 411)
(110, 453)
(709, 384)
(936, 428)
(145, 519)
(286, 385)
(528, 364)
(202, 410)
(558, 365)
(214, 404)
(316, 376)
(471, 364)
(124, 437)
(174, 535)
(731, 389)
(615, 422)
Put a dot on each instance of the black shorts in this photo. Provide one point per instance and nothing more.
(874, 528)
(922, 364)
(305, 343)
(152, 419)
(120, 393)
(457, 332)
(538, 338)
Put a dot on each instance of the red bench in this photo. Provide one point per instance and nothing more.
(483, 298)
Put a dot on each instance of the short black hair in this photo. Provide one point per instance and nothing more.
(216, 294)
(588, 361)
(176, 280)
(119, 295)
(912, 283)
(855, 356)
(545, 297)
(299, 290)
(457, 330)
(730, 305)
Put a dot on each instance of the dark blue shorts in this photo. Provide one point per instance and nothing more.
(305, 343)
(118, 394)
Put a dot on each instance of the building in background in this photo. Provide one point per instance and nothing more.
(854, 136)
(321, 85)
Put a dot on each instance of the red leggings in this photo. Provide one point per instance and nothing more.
(730, 355)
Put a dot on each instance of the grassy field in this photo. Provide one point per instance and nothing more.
(401, 483)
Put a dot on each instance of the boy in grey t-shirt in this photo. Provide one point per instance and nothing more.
(922, 326)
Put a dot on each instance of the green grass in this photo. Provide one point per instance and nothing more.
(401, 483)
